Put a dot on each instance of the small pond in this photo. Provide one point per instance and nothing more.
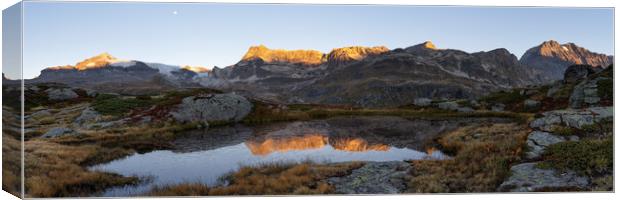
(205, 155)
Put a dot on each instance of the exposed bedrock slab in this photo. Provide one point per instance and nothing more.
(374, 178)
(526, 177)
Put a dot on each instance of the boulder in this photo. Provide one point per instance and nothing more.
(498, 107)
(56, 132)
(40, 114)
(61, 94)
(538, 141)
(531, 104)
(373, 178)
(526, 177)
(422, 102)
(575, 73)
(212, 107)
(88, 115)
(585, 93)
(449, 105)
(572, 117)
(465, 109)
(91, 93)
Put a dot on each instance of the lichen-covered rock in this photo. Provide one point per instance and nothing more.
(61, 94)
(59, 131)
(212, 107)
(88, 115)
(526, 177)
(373, 178)
(572, 117)
(585, 93)
(538, 141)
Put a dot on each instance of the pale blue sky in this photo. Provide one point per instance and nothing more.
(210, 34)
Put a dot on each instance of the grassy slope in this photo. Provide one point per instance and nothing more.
(483, 154)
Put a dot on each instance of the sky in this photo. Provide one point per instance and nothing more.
(211, 34)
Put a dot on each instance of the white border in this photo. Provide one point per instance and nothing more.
(484, 196)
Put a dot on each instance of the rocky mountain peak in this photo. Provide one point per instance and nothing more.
(569, 52)
(261, 52)
(428, 45)
(97, 61)
(197, 69)
(353, 53)
(425, 45)
(422, 48)
(552, 58)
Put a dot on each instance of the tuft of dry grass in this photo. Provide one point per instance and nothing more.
(268, 179)
(55, 170)
(11, 162)
(482, 157)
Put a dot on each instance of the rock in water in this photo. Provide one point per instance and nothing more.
(212, 107)
(374, 178)
(61, 94)
(527, 177)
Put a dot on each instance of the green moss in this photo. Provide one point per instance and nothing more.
(116, 106)
(587, 157)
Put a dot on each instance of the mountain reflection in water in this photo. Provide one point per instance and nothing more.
(311, 141)
(205, 155)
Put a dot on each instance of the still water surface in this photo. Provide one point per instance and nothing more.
(205, 155)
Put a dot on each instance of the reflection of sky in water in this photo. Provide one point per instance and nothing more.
(167, 167)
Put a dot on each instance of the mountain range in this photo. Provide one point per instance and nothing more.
(356, 75)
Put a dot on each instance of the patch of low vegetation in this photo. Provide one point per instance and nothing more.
(118, 106)
(505, 97)
(591, 157)
(11, 162)
(265, 113)
(138, 138)
(55, 170)
(268, 179)
(598, 130)
(564, 92)
(564, 131)
(482, 155)
(605, 89)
